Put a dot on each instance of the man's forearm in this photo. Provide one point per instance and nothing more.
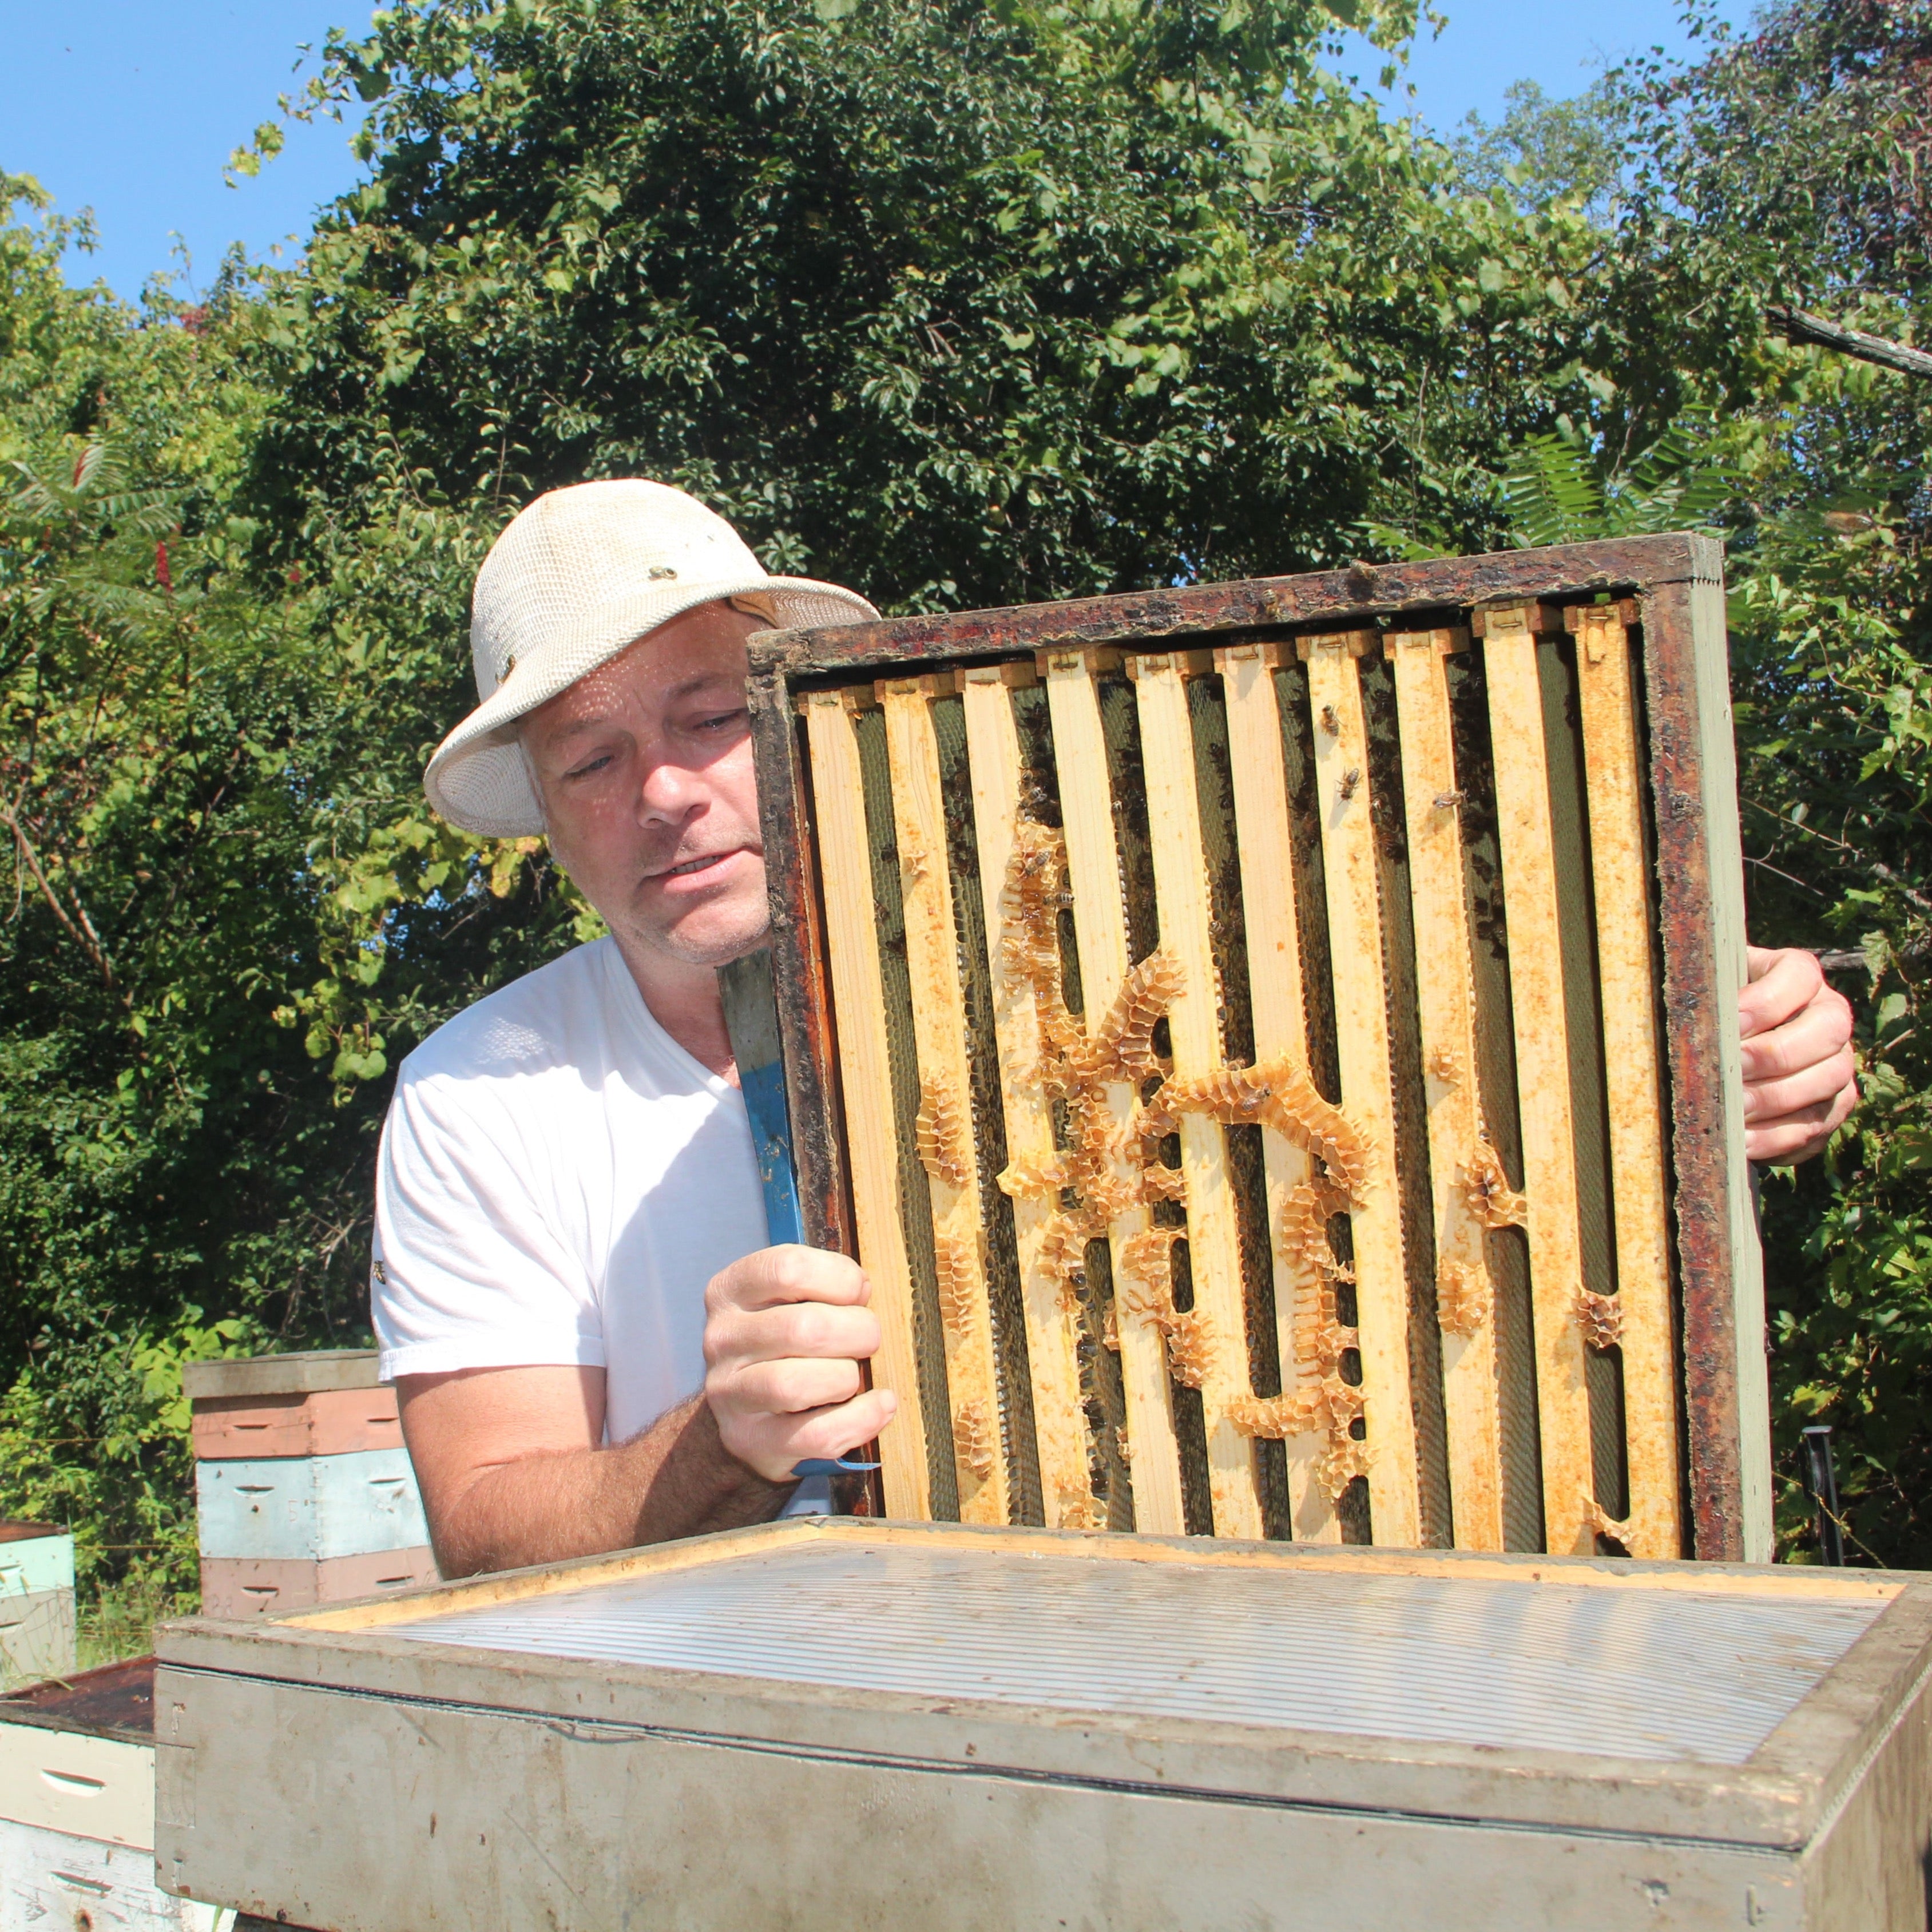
(676, 1479)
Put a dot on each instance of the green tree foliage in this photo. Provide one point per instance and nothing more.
(1789, 164)
(1544, 151)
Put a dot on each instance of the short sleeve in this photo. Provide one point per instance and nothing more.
(470, 1271)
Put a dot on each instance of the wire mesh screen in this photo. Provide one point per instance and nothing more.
(1504, 1662)
(1251, 1068)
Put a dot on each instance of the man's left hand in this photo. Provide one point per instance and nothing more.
(1800, 1079)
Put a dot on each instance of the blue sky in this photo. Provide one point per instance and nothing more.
(133, 107)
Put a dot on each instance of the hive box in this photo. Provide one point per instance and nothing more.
(303, 1490)
(77, 1809)
(833, 1723)
(37, 1627)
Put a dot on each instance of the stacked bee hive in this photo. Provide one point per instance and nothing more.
(304, 1492)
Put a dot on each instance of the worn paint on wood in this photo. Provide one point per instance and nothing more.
(328, 1422)
(57, 1879)
(243, 1587)
(310, 1507)
(77, 1783)
(1632, 1056)
(37, 1637)
(30, 1564)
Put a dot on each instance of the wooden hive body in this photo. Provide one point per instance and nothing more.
(832, 1724)
(1271, 1045)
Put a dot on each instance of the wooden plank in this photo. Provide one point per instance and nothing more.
(1100, 940)
(1633, 1053)
(31, 1563)
(1276, 998)
(1185, 899)
(78, 1782)
(1723, 856)
(1053, 1361)
(309, 1506)
(947, 1142)
(37, 1639)
(1362, 1046)
(237, 1588)
(864, 1077)
(1358, 593)
(1570, 1509)
(1445, 994)
(328, 1422)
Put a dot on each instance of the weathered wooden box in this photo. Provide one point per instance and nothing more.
(77, 1809)
(37, 1608)
(1273, 1046)
(304, 1492)
(838, 1724)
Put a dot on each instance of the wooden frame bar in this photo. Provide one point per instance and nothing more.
(1276, 999)
(1620, 871)
(947, 1148)
(992, 744)
(1186, 914)
(839, 800)
(1100, 935)
(1459, 1149)
(1570, 1513)
(1362, 1046)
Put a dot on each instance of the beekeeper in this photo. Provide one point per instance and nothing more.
(594, 1347)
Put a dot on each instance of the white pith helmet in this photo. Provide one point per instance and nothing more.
(579, 575)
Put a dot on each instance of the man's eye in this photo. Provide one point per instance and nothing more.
(724, 720)
(589, 766)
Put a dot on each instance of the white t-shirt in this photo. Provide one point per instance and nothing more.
(559, 1181)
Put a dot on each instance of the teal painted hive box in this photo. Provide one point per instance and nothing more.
(36, 1629)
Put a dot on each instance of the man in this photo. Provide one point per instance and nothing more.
(565, 1164)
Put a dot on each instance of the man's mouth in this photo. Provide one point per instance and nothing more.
(699, 864)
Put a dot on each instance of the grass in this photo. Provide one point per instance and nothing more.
(119, 1621)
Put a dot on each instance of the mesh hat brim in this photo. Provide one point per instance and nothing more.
(478, 779)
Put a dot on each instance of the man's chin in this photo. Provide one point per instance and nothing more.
(715, 935)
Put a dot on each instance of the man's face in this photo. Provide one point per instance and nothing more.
(645, 767)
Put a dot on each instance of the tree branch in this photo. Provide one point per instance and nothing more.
(1796, 325)
(83, 935)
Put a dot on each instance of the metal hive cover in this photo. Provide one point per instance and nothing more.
(1662, 1674)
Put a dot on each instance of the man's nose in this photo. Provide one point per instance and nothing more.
(671, 792)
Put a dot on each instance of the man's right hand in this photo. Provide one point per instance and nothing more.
(785, 1330)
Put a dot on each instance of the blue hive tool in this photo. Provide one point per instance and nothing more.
(751, 1019)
